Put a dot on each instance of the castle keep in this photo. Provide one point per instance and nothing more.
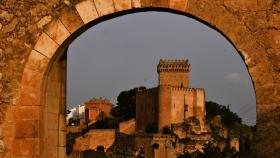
(172, 101)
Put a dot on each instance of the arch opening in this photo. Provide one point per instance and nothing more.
(54, 90)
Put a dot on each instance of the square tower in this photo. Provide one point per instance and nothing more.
(174, 73)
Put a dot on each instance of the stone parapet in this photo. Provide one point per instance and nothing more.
(173, 66)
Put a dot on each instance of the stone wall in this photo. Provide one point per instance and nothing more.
(174, 79)
(173, 72)
(156, 145)
(95, 138)
(127, 127)
(146, 108)
(98, 109)
(164, 104)
(186, 103)
(34, 32)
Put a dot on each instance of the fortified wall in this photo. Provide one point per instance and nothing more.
(146, 108)
(95, 138)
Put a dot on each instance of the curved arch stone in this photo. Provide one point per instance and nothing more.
(252, 26)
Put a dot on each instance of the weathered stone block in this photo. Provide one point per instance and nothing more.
(46, 45)
(264, 4)
(2, 146)
(275, 38)
(87, 10)
(104, 7)
(122, 4)
(71, 19)
(146, 3)
(26, 129)
(255, 20)
(52, 104)
(61, 152)
(62, 122)
(274, 20)
(30, 96)
(26, 147)
(263, 92)
(55, 74)
(62, 139)
(136, 3)
(44, 21)
(241, 5)
(52, 121)
(1, 133)
(161, 3)
(9, 131)
(32, 79)
(57, 31)
(52, 151)
(274, 57)
(53, 89)
(52, 138)
(37, 62)
(11, 26)
(26, 112)
(178, 4)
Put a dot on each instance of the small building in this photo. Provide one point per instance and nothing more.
(98, 109)
(74, 115)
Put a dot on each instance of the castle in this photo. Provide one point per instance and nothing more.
(172, 105)
(172, 101)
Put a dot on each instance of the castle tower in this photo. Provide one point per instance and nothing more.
(173, 101)
(174, 72)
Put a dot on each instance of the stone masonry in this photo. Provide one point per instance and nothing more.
(35, 34)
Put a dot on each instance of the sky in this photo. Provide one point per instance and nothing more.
(122, 53)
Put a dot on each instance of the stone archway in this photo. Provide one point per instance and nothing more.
(35, 35)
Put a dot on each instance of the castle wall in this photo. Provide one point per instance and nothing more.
(177, 106)
(174, 79)
(127, 127)
(190, 102)
(146, 108)
(95, 138)
(156, 145)
(187, 102)
(200, 106)
(164, 106)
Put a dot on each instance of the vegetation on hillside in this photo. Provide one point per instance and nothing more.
(228, 117)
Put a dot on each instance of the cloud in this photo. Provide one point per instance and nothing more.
(233, 77)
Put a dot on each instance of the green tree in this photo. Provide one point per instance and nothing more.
(126, 105)
(228, 117)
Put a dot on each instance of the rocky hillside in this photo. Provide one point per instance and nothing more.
(230, 138)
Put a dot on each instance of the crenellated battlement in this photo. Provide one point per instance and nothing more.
(145, 91)
(99, 101)
(175, 88)
(173, 66)
(186, 89)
